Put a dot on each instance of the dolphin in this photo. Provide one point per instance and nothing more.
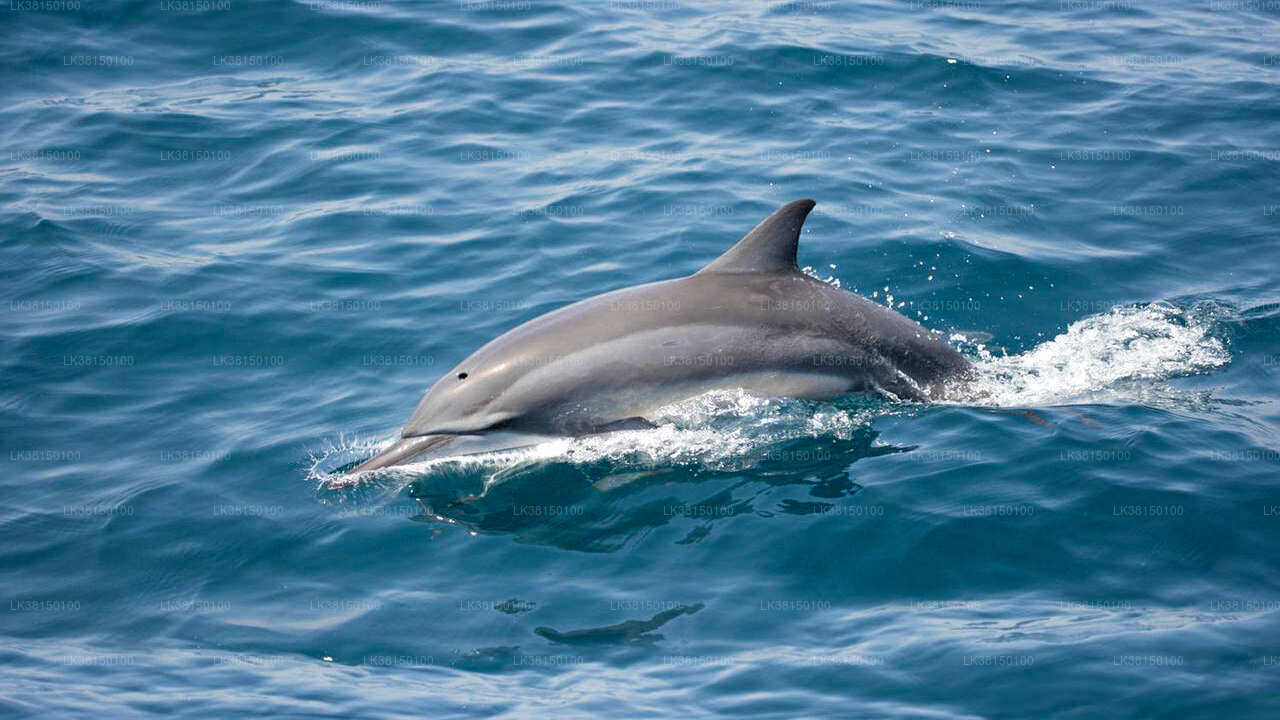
(750, 319)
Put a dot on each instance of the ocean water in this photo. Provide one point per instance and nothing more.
(239, 239)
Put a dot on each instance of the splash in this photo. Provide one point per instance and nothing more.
(725, 430)
(1118, 356)
(722, 430)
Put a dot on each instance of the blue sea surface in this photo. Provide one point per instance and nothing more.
(239, 239)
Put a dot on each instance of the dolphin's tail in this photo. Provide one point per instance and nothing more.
(404, 450)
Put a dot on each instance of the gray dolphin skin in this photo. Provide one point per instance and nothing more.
(750, 320)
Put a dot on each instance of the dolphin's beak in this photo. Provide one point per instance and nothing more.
(404, 450)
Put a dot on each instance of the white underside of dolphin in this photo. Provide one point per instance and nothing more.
(750, 320)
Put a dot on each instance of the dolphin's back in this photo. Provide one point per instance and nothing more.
(748, 320)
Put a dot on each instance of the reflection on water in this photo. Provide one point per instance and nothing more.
(601, 506)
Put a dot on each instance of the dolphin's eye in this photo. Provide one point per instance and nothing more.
(462, 376)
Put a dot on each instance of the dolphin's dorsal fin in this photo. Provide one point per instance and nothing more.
(769, 247)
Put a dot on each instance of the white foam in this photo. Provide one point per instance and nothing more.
(721, 429)
(1097, 359)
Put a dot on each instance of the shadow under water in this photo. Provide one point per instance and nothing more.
(629, 631)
